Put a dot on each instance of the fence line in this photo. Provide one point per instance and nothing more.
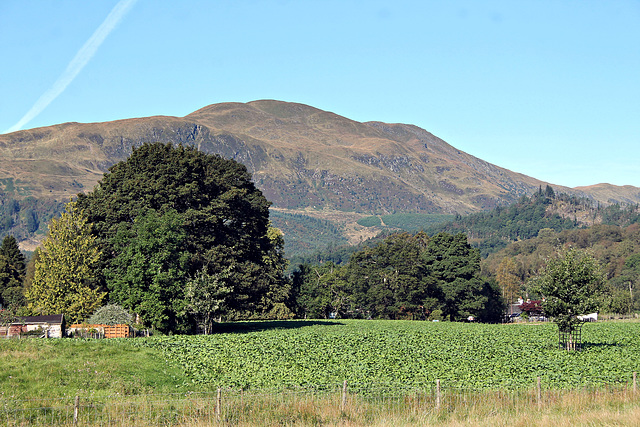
(229, 405)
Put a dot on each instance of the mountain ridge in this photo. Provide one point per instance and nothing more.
(300, 156)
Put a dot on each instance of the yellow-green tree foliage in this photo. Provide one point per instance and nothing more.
(508, 279)
(65, 268)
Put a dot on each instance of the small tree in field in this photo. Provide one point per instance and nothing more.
(206, 295)
(572, 285)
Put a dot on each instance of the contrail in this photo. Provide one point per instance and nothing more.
(76, 65)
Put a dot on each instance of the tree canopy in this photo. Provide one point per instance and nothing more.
(111, 314)
(572, 285)
(169, 214)
(405, 276)
(508, 279)
(65, 269)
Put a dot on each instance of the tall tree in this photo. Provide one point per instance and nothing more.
(508, 279)
(407, 276)
(10, 250)
(391, 280)
(627, 282)
(66, 266)
(223, 216)
(455, 266)
(324, 292)
(206, 295)
(12, 272)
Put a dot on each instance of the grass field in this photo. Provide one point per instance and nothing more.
(300, 366)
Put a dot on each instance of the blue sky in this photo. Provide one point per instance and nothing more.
(550, 89)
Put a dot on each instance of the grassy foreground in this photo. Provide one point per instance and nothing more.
(291, 373)
(559, 408)
(53, 368)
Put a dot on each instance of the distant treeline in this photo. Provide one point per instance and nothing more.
(616, 248)
(494, 230)
(311, 240)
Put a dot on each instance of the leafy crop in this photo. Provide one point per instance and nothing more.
(403, 353)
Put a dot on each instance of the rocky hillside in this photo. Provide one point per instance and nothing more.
(302, 158)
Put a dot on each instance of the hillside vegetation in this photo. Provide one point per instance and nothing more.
(494, 229)
(544, 210)
(304, 233)
(27, 218)
(616, 248)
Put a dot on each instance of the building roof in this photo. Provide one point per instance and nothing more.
(50, 318)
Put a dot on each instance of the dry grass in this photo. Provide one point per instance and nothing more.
(620, 407)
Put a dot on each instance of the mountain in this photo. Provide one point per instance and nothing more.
(612, 193)
(305, 160)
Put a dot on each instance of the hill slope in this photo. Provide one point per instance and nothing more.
(302, 158)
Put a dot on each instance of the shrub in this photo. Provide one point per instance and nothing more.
(111, 314)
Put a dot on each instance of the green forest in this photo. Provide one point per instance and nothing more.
(404, 277)
(183, 239)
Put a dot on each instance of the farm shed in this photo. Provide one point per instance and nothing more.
(50, 326)
(102, 331)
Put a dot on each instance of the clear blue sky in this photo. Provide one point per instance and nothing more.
(550, 89)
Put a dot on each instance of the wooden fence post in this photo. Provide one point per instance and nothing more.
(76, 407)
(539, 392)
(438, 395)
(343, 405)
(635, 383)
(219, 402)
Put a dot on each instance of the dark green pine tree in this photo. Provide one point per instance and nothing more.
(455, 266)
(12, 272)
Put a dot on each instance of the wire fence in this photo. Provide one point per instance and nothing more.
(303, 405)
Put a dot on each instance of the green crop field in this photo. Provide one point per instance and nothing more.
(261, 355)
(405, 353)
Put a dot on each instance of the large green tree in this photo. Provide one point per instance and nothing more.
(149, 269)
(392, 279)
(63, 282)
(322, 291)
(220, 222)
(455, 266)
